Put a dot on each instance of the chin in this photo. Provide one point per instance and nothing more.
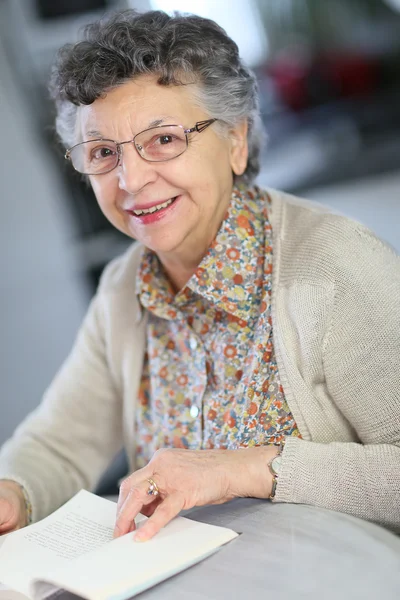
(161, 248)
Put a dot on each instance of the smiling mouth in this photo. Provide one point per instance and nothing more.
(153, 209)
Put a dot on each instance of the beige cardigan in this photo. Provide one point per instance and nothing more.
(336, 323)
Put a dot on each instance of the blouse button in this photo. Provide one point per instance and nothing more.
(193, 343)
(194, 411)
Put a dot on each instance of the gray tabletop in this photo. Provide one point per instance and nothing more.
(289, 551)
(286, 551)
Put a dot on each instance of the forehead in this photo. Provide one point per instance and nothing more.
(138, 104)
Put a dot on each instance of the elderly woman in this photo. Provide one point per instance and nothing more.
(249, 344)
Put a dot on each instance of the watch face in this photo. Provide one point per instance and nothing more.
(276, 464)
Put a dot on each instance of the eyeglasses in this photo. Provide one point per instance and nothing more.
(157, 144)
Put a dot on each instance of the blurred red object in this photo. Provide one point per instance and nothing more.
(305, 83)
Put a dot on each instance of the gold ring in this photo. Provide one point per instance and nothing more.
(153, 488)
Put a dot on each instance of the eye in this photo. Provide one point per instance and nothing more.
(102, 153)
(165, 139)
(161, 143)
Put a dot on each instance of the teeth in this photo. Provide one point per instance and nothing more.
(147, 211)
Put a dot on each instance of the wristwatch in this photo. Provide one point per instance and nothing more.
(274, 467)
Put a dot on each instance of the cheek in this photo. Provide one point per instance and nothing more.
(179, 172)
(203, 169)
(216, 166)
(107, 198)
(105, 193)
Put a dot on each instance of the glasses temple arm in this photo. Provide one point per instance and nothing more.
(202, 125)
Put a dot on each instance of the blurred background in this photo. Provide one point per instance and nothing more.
(329, 75)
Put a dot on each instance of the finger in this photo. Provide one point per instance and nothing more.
(163, 514)
(129, 482)
(148, 510)
(135, 500)
(132, 528)
(6, 515)
(123, 493)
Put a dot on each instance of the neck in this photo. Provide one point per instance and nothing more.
(178, 272)
(180, 264)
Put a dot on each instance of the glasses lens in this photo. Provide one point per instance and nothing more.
(161, 143)
(94, 157)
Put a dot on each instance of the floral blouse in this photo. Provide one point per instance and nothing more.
(210, 378)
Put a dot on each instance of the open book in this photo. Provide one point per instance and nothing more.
(73, 550)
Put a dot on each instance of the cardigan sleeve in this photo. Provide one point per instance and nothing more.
(68, 441)
(361, 363)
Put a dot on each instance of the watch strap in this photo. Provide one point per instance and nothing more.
(281, 445)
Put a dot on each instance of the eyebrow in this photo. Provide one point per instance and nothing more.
(94, 133)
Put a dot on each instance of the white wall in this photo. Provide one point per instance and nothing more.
(43, 295)
(375, 201)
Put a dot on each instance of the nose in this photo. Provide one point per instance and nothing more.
(134, 173)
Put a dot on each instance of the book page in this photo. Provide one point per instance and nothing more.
(83, 524)
(124, 567)
(2, 540)
(7, 593)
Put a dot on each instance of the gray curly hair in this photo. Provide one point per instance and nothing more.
(178, 49)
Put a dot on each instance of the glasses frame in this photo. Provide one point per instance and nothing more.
(198, 128)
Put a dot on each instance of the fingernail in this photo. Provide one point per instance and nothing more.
(140, 537)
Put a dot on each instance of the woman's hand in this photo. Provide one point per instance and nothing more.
(12, 507)
(187, 478)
